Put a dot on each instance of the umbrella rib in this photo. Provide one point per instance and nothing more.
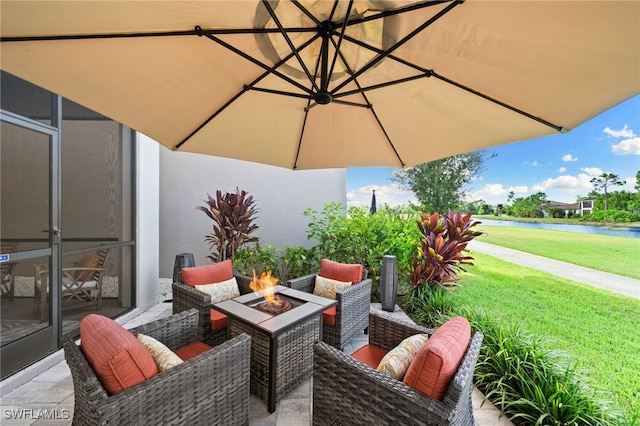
(339, 44)
(393, 57)
(333, 10)
(246, 87)
(367, 105)
(153, 34)
(388, 51)
(373, 111)
(398, 11)
(431, 73)
(306, 12)
(289, 42)
(254, 60)
(306, 115)
(502, 104)
(382, 85)
(276, 92)
(304, 125)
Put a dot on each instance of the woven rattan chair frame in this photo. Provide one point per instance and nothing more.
(345, 389)
(352, 310)
(186, 297)
(209, 389)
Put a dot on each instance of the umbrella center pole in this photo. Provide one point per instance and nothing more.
(323, 97)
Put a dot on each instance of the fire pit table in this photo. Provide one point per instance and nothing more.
(281, 342)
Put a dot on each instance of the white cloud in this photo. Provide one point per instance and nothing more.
(592, 171)
(562, 169)
(491, 191)
(627, 146)
(565, 183)
(625, 132)
(392, 195)
(519, 189)
(569, 157)
(534, 163)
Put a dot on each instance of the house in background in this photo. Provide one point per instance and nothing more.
(73, 182)
(580, 208)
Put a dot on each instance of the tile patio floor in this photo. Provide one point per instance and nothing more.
(46, 387)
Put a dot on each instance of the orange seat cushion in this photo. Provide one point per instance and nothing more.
(341, 271)
(191, 350)
(207, 274)
(117, 357)
(329, 316)
(436, 363)
(219, 320)
(370, 355)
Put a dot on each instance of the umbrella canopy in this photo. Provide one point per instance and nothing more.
(317, 84)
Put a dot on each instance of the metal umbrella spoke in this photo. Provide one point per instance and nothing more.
(252, 59)
(286, 37)
(339, 44)
(398, 44)
(245, 88)
(372, 109)
(431, 73)
(401, 10)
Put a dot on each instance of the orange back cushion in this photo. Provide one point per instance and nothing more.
(208, 274)
(341, 271)
(436, 363)
(117, 357)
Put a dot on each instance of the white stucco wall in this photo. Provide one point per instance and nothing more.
(147, 221)
(281, 195)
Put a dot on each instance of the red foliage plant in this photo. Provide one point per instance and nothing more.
(233, 214)
(441, 255)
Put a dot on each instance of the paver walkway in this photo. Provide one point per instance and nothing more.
(615, 283)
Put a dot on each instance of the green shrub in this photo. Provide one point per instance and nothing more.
(297, 262)
(611, 216)
(430, 306)
(556, 212)
(531, 384)
(360, 237)
(256, 258)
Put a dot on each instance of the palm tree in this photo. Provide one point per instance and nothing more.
(604, 181)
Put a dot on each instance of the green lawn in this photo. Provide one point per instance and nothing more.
(617, 255)
(598, 328)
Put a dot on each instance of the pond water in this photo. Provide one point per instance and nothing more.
(633, 232)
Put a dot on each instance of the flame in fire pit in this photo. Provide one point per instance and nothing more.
(266, 282)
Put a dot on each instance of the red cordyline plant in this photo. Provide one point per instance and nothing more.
(233, 215)
(441, 255)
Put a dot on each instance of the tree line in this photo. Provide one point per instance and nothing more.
(440, 186)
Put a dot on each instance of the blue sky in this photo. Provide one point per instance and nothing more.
(561, 165)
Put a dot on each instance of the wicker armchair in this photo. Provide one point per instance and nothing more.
(186, 297)
(345, 389)
(211, 388)
(352, 310)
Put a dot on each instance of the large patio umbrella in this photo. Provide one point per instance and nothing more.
(313, 84)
